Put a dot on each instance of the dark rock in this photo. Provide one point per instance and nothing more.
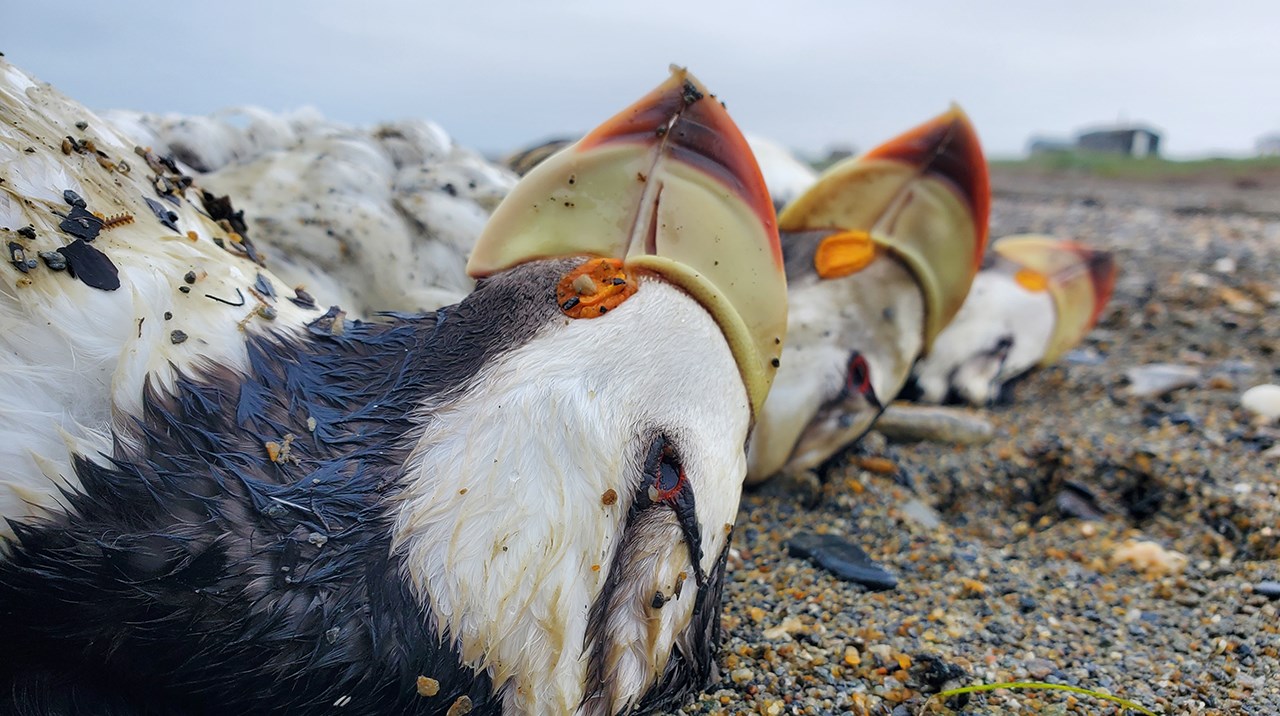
(166, 217)
(842, 558)
(934, 672)
(1026, 604)
(1268, 589)
(54, 260)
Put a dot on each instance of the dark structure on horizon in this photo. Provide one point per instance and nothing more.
(1133, 141)
(1128, 140)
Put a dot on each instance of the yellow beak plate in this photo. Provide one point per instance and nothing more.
(923, 195)
(1079, 279)
(670, 187)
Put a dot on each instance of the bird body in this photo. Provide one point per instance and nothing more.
(514, 504)
(89, 317)
(372, 219)
(1037, 300)
(880, 307)
(880, 252)
(786, 176)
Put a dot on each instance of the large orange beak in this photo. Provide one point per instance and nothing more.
(1080, 280)
(670, 188)
(924, 196)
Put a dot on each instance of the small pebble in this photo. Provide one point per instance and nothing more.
(1262, 400)
(1268, 589)
(428, 686)
(1156, 379)
(921, 513)
(932, 423)
(1221, 382)
(459, 707)
(54, 260)
(1149, 558)
(789, 626)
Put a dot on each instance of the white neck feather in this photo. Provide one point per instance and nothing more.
(879, 312)
(503, 525)
(963, 357)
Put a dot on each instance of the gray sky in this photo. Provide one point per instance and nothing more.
(498, 73)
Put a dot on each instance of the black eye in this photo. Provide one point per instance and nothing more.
(857, 379)
(664, 469)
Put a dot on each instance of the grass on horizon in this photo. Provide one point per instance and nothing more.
(1151, 168)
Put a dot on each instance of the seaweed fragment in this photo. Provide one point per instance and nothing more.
(81, 224)
(166, 217)
(90, 265)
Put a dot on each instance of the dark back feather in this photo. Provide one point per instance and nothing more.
(206, 571)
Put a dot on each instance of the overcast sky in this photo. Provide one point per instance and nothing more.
(500, 73)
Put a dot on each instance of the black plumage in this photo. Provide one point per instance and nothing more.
(201, 570)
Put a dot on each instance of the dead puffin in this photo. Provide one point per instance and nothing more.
(880, 253)
(220, 498)
(1036, 301)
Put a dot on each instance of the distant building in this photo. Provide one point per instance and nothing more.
(1268, 145)
(1051, 145)
(1133, 141)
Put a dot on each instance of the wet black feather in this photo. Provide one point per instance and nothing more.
(195, 574)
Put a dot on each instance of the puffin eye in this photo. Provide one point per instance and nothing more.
(858, 376)
(857, 379)
(664, 469)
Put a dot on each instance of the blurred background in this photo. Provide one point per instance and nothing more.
(1182, 79)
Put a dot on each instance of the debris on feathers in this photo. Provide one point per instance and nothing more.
(90, 265)
(279, 452)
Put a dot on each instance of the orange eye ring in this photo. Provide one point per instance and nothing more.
(667, 473)
(660, 495)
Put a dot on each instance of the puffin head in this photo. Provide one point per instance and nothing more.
(567, 515)
(880, 253)
(1078, 278)
(1035, 302)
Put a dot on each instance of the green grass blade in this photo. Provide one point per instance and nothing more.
(1036, 685)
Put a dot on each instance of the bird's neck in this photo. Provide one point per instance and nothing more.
(513, 523)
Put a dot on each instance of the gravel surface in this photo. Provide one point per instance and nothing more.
(1117, 541)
